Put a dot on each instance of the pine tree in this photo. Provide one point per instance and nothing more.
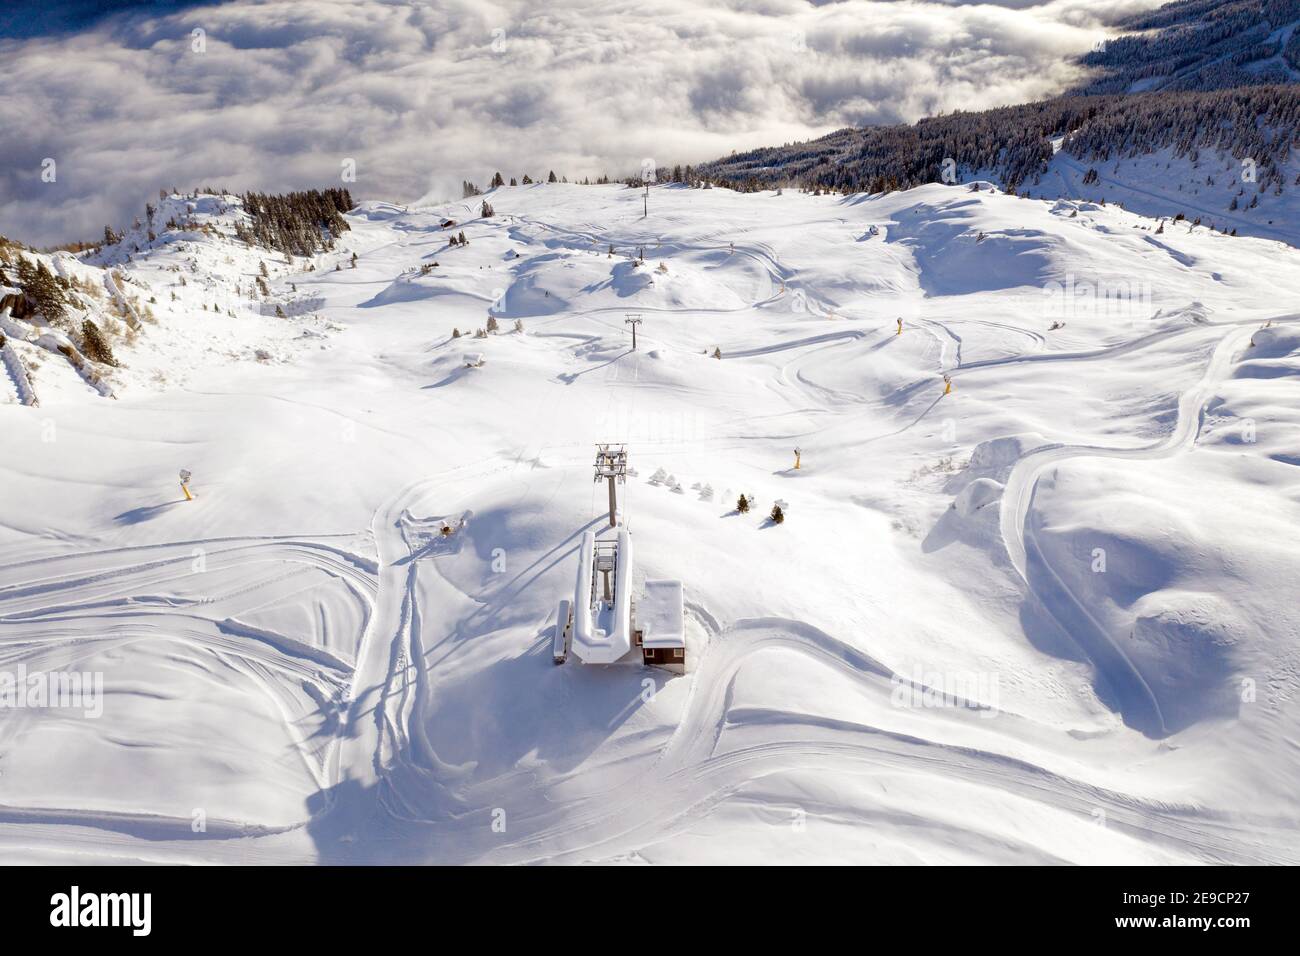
(41, 289)
(487, 212)
(94, 346)
(498, 181)
(302, 223)
(551, 178)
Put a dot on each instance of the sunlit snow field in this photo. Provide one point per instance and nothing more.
(1051, 616)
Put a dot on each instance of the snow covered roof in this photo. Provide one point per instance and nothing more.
(659, 615)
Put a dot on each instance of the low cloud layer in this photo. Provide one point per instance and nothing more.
(271, 94)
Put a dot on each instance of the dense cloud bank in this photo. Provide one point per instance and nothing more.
(276, 95)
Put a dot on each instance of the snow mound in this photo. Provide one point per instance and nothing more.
(997, 455)
(1279, 341)
(976, 495)
(1184, 641)
(956, 256)
(1137, 550)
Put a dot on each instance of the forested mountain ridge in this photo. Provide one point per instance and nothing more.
(1199, 45)
(1014, 144)
(1190, 91)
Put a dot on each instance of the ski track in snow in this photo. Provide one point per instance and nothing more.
(382, 790)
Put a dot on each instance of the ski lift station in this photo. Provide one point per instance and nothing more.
(602, 623)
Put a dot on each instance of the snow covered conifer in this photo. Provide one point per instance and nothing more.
(486, 211)
(742, 504)
(41, 289)
(551, 178)
(94, 345)
(492, 324)
(777, 516)
(26, 273)
(498, 181)
(455, 333)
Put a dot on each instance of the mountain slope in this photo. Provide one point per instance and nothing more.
(193, 278)
(1200, 45)
(1159, 146)
(1060, 595)
(1196, 112)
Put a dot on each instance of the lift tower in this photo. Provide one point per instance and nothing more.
(611, 464)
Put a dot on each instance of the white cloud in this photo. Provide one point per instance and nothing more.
(424, 94)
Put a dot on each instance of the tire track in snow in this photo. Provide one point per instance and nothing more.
(692, 772)
(120, 601)
(1018, 494)
(710, 755)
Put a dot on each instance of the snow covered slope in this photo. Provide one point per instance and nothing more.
(1219, 190)
(1047, 616)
